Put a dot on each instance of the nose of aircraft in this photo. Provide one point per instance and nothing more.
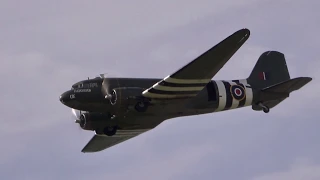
(65, 97)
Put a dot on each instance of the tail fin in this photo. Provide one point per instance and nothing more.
(270, 81)
(271, 68)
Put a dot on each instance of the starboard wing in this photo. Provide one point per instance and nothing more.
(193, 77)
(102, 142)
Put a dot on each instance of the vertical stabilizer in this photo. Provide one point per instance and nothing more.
(271, 68)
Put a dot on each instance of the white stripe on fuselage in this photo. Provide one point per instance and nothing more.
(249, 93)
(235, 103)
(222, 95)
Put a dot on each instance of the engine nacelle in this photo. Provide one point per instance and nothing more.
(93, 120)
(125, 95)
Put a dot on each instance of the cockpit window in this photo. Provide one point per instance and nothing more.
(92, 83)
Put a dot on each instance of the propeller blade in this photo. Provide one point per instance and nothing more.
(76, 114)
(106, 88)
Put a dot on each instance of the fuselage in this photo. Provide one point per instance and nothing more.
(218, 95)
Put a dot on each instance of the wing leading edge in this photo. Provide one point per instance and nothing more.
(193, 77)
(101, 142)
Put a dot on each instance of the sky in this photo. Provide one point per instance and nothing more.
(46, 46)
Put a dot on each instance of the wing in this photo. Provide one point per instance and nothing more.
(101, 142)
(193, 77)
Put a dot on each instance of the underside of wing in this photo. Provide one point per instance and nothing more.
(193, 77)
(102, 142)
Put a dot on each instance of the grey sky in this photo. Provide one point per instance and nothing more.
(45, 46)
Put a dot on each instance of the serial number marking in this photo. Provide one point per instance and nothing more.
(82, 90)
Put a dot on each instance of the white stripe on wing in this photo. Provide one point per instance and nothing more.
(185, 81)
(169, 88)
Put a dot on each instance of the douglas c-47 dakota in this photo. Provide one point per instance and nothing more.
(118, 109)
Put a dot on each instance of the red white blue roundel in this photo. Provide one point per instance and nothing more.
(237, 92)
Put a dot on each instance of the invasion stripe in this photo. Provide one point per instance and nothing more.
(212, 92)
(185, 81)
(156, 91)
(123, 133)
(133, 130)
(229, 97)
(169, 84)
(249, 94)
(222, 96)
(168, 88)
(235, 103)
(174, 88)
(243, 101)
(126, 133)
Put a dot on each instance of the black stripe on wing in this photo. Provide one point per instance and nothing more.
(156, 91)
(169, 84)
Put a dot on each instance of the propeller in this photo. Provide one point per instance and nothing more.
(79, 119)
(106, 88)
(76, 114)
(107, 92)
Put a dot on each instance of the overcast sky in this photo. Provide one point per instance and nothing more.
(46, 46)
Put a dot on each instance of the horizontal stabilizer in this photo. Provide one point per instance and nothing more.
(288, 86)
(283, 89)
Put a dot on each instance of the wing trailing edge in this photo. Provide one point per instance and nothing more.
(102, 142)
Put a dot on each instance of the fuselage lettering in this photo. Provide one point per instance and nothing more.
(72, 96)
(82, 90)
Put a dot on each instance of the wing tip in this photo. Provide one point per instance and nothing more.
(240, 36)
(306, 79)
(245, 31)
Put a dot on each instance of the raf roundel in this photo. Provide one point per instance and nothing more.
(237, 92)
